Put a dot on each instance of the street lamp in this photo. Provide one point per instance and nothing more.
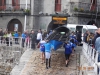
(25, 17)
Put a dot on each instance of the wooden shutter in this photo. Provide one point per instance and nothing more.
(16, 4)
(57, 5)
(2, 4)
(93, 5)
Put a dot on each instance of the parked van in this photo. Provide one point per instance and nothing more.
(82, 28)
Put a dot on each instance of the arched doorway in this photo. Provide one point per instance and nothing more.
(52, 26)
(91, 22)
(14, 25)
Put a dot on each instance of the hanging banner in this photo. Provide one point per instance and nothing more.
(16, 27)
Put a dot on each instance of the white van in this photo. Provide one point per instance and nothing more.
(82, 28)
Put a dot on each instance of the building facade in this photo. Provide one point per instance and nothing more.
(12, 13)
(85, 12)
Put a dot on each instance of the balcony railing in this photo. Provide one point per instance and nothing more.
(10, 7)
(82, 7)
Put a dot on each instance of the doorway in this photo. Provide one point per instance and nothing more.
(14, 25)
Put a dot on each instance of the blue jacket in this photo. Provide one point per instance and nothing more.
(68, 48)
(23, 35)
(97, 44)
(47, 47)
(16, 35)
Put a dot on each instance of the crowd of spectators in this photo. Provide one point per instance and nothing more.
(28, 37)
(91, 38)
(37, 37)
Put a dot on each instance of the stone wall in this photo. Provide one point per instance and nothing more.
(42, 6)
(4, 20)
(9, 57)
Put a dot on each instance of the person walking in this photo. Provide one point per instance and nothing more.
(42, 49)
(48, 54)
(68, 51)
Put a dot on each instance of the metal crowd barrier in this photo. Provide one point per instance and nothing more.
(11, 42)
(92, 56)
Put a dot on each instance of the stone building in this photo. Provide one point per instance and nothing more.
(12, 13)
(80, 11)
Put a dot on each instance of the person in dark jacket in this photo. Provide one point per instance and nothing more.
(68, 51)
(44, 34)
(79, 37)
(23, 38)
(85, 36)
(97, 34)
(33, 39)
(1, 35)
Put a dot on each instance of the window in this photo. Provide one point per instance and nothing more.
(57, 5)
(93, 4)
(2, 4)
(16, 4)
(58, 1)
(93, 1)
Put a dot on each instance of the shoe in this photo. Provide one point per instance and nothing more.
(49, 66)
(66, 65)
(46, 67)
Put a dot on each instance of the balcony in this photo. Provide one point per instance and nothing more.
(8, 9)
(83, 10)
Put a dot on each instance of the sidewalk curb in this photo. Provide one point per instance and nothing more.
(18, 69)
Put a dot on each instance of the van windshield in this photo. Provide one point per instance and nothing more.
(90, 30)
(72, 29)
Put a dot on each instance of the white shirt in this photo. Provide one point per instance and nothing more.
(9, 35)
(39, 36)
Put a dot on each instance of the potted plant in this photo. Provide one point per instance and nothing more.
(81, 10)
(75, 9)
(27, 12)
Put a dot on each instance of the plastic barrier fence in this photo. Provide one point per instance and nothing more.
(92, 56)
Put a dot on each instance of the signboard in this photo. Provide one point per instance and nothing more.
(16, 27)
(59, 20)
